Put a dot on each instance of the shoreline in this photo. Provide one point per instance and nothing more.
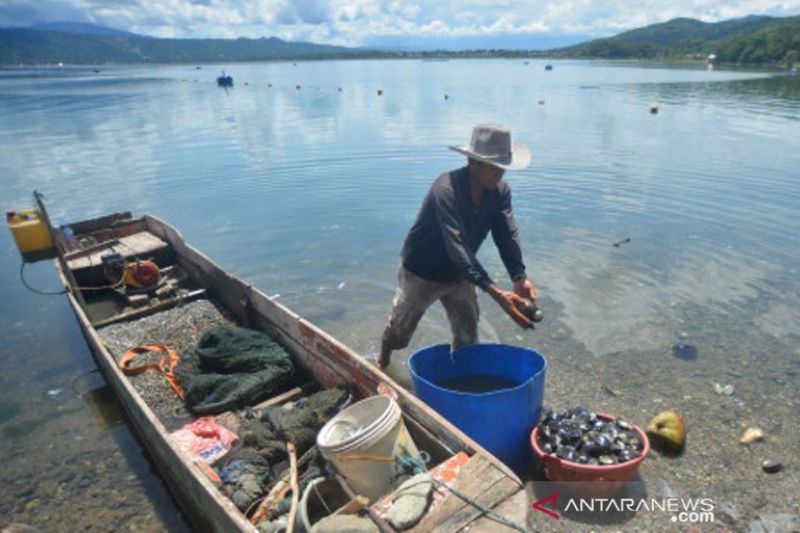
(445, 57)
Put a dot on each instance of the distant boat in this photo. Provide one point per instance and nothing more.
(225, 81)
(548, 67)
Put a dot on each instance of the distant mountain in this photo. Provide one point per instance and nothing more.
(81, 29)
(102, 45)
(749, 40)
(752, 40)
(527, 41)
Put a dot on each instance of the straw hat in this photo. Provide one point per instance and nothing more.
(491, 143)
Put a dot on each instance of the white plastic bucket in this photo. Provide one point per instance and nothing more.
(363, 441)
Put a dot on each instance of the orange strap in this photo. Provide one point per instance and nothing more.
(162, 366)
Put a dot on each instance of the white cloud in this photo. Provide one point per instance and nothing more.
(351, 22)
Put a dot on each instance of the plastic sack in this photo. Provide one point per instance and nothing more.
(204, 439)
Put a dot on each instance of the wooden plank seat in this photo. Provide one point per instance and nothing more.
(86, 264)
(142, 244)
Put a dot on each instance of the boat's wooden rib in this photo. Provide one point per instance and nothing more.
(327, 360)
(101, 223)
(230, 421)
(89, 250)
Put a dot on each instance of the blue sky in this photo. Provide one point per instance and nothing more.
(513, 23)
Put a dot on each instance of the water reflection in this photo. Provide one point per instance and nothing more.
(611, 305)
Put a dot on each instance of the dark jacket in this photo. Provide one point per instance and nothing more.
(450, 228)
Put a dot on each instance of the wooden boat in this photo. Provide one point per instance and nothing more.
(224, 81)
(328, 361)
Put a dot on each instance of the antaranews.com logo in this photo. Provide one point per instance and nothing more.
(680, 510)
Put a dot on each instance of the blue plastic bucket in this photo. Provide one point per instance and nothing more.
(499, 420)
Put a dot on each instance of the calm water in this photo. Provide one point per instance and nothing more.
(308, 192)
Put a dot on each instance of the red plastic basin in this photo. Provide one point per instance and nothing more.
(590, 480)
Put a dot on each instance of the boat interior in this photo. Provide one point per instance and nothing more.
(191, 295)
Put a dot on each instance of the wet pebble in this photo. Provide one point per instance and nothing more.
(20, 528)
(33, 504)
(751, 435)
(727, 390)
(780, 522)
(771, 466)
(730, 513)
(685, 352)
(663, 490)
(66, 477)
(24, 495)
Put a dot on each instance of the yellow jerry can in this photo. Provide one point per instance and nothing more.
(33, 237)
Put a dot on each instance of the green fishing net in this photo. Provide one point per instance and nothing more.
(232, 367)
(259, 458)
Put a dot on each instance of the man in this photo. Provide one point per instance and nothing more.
(438, 257)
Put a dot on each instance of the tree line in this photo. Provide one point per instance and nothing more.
(754, 40)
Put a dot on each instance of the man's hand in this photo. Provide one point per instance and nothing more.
(525, 288)
(511, 303)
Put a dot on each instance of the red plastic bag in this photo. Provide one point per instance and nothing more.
(204, 439)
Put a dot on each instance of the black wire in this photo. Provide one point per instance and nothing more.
(44, 293)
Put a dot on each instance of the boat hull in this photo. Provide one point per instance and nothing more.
(330, 362)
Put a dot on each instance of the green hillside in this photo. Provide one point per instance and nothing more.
(754, 40)
(777, 44)
(26, 46)
(685, 30)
